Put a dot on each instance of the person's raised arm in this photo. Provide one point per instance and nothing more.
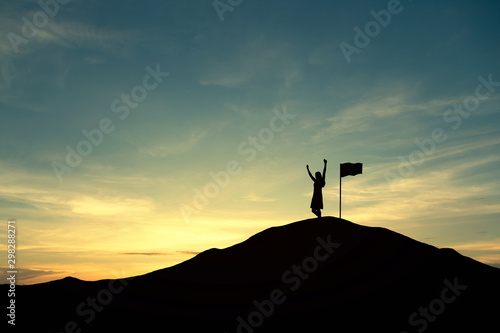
(324, 170)
(309, 172)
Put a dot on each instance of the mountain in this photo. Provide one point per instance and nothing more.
(314, 275)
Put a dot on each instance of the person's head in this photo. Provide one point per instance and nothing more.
(318, 174)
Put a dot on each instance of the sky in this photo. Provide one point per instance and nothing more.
(136, 134)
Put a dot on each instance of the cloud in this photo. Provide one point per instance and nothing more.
(486, 252)
(170, 146)
(466, 161)
(257, 58)
(393, 108)
(85, 36)
(158, 253)
(257, 198)
(94, 59)
(230, 79)
(27, 275)
(145, 254)
(366, 115)
(25, 186)
(109, 206)
(189, 252)
(31, 78)
(479, 246)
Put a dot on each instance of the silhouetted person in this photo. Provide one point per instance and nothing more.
(319, 183)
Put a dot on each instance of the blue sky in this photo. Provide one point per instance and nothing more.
(216, 150)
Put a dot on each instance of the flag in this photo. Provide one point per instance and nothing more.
(350, 169)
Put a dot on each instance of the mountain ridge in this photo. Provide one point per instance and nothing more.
(299, 276)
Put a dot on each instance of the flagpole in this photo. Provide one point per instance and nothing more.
(340, 193)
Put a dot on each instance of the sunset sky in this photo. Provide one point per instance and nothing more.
(135, 134)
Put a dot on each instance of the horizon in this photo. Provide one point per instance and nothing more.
(135, 136)
(313, 219)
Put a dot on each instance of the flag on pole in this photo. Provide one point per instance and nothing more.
(350, 169)
(347, 169)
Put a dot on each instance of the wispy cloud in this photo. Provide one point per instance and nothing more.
(158, 253)
(485, 251)
(367, 115)
(189, 252)
(23, 75)
(171, 146)
(258, 57)
(145, 254)
(109, 206)
(230, 79)
(257, 198)
(492, 260)
(28, 275)
(479, 246)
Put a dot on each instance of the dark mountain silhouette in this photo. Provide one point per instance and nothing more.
(315, 275)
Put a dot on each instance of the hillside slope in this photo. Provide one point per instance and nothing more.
(312, 275)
